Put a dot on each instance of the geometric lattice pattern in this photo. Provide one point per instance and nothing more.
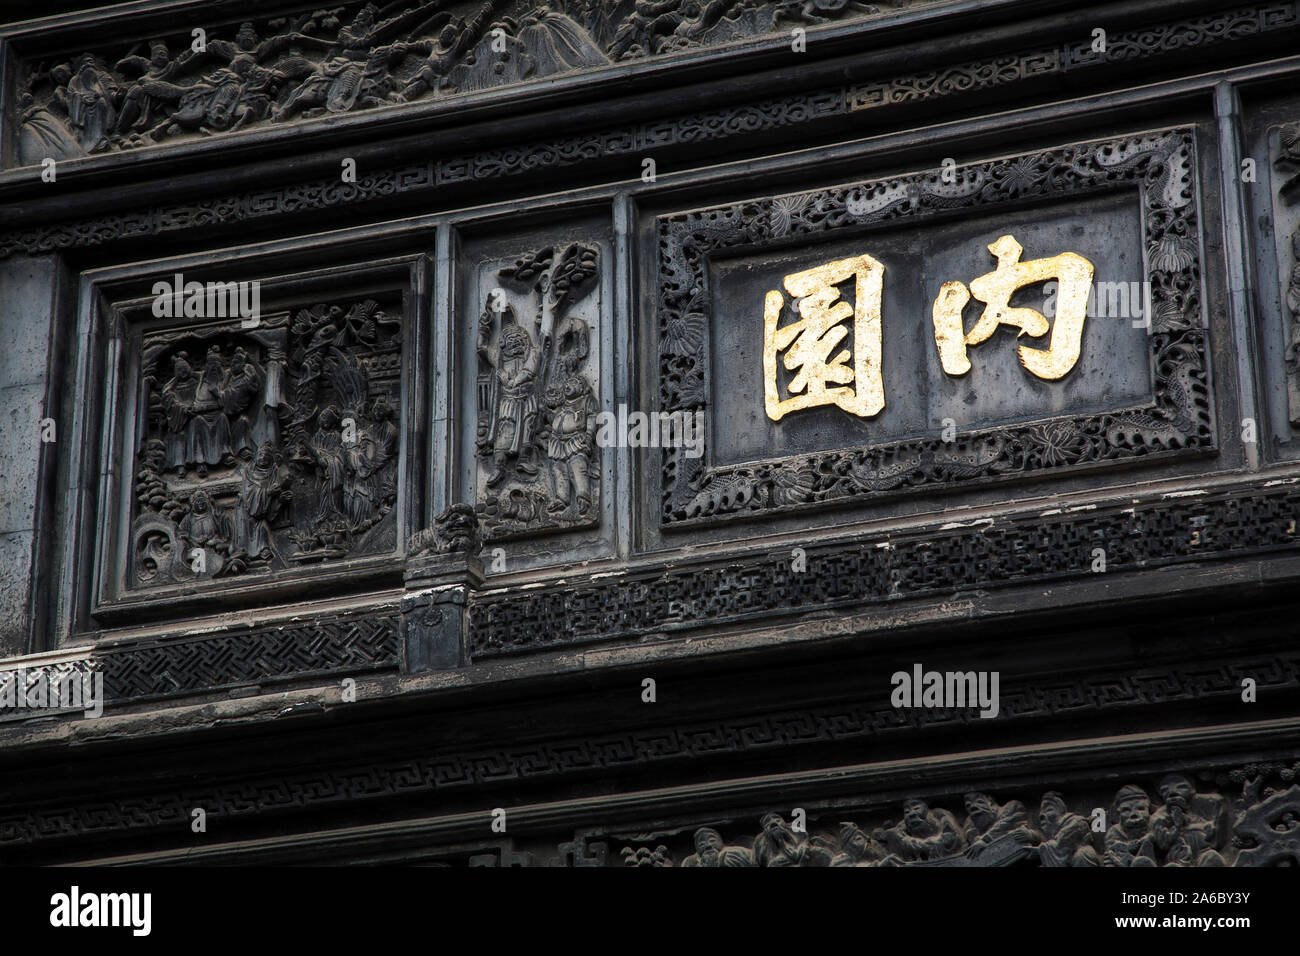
(1028, 550)
(262, 654)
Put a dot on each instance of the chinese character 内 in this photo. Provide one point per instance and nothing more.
(995, 290)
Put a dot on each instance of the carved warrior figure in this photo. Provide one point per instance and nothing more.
(511, 432)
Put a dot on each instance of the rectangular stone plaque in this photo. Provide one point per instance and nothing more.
(1037, 313)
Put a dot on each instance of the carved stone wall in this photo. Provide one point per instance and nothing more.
(361, 566)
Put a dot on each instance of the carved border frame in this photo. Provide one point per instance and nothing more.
(1162, 167)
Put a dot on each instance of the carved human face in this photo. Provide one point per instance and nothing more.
(914, 813)
(265, 455)
(1134, 813)
(1049, 814)
(773, 825)
(574, 387)
(857, 844)
(708, 843)
(181, 369)
(329, 419)
(200, 504)
(980, 808)
(1176, 790)
(515, 343)
(246, 37)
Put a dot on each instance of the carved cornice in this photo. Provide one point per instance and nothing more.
(801, 110)
(266, 72)
(1157, 40)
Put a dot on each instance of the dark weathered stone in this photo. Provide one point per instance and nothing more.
(432, 585)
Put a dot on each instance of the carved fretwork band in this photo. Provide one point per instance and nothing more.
(1029, 550)
(171, 666)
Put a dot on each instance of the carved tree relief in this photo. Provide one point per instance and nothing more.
(537, 394)
(266, 448)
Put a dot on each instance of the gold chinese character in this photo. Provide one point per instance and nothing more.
(808, 344)
(995, 289)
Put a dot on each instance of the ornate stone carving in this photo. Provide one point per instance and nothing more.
(1149, 41)
(260, 655)
(932, 561)
(1188, 829)
(923, 834)
(733, 122)
(355, 57)
(1289, 162)
(1267, 825)
(279, 449)
(1180, 420)
(454, 530)
(711, 851)
(537, 404)
(1066, 837)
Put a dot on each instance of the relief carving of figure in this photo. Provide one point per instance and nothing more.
(46, 130)
(570, 443)
(178, 404)
(858, 848)
(1066, 836)
(314, 494)
(778, 845)
(710, 850)
(988, 822)
(92, 95)
(1128, 839)
(536, 401)
(240, 394)
(204, 526)
(207, 435)
(1189, 829)
(923, 834)
(262, 492)
(327, 453)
